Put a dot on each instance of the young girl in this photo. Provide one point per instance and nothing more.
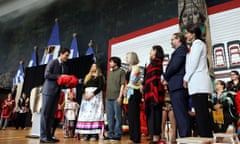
(23, 109)
(71, 112)
(90, 121)
(168, 114)
(7, 110)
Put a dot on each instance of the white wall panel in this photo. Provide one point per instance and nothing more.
(143, 44)
(225, 27)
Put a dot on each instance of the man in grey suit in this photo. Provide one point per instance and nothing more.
(174, 74)
(51, 93)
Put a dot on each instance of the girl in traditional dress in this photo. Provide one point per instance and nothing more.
(91, 115)
(22, 111)
(71, 111)
(7, 110)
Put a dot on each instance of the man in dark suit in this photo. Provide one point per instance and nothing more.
(174, 78)
(51, 94)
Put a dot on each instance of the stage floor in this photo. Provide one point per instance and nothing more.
(13, 136)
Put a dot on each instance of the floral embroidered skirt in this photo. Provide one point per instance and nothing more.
(91, 114)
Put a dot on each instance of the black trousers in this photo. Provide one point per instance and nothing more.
(134, 116)
(200, 104)
(49, 107)
(21, 120)
(179, 99)
(56, 122)
(154, 120)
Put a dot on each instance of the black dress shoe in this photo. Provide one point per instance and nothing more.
(55, 140)
(116, 139)
(106, 138)
(45, 141)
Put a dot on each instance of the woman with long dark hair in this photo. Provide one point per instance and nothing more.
(197, 79)
(154, 93)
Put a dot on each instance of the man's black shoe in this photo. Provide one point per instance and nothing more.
(107, 138)
(46, 141)
(116, 139)
(55, 140)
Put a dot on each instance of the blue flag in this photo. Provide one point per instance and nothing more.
(33, 60)
(90, 52)
(51, 52)
(19, 77)
(74, 48)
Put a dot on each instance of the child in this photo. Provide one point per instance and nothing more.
(168, 114)
(7, 110)
(23, 109)
(71, 112)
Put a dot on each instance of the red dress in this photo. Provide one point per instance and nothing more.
(7, 108)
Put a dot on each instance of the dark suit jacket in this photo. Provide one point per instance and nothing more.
(52, 72)
(175, 70)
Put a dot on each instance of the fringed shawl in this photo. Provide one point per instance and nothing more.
(153, 88)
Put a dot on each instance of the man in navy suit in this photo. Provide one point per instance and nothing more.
(173, 76)
(51, 94)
